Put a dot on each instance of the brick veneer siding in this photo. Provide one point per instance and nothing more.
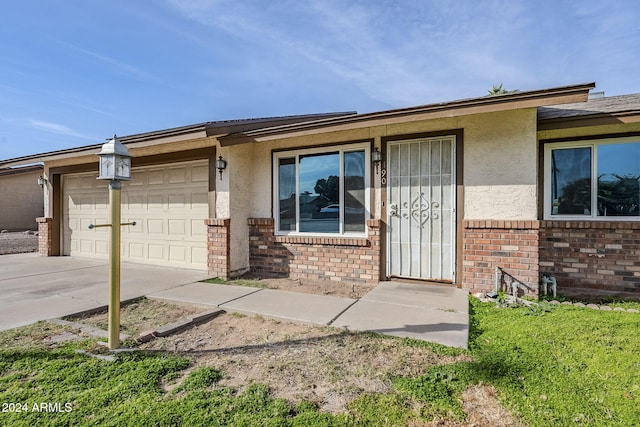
(510, 245)
(330, 258)
(218, 246)
(45, 230)
(592, 258)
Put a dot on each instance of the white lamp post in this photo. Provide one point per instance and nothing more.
(115, 165)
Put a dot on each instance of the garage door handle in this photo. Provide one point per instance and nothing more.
(92, 226)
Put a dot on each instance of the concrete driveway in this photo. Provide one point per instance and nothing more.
(36, 288)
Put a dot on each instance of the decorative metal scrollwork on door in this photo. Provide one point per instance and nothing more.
(420, 210)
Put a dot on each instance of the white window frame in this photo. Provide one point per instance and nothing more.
(341, 149)
(593, 145)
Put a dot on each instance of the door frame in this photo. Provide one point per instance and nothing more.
(458, 134)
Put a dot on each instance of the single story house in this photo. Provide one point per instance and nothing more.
(21, 197)
(466, 193)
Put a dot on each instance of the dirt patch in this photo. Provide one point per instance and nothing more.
(321, 364)
(325, 365)
(141, 315)
(480, 402)
(309, 286)
(18, 242)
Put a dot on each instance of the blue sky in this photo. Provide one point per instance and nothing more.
(73, 72)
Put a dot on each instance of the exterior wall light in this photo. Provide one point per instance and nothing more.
(42, 181)
(221, 164)
(376, 157)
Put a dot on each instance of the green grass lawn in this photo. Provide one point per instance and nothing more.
(563, 367)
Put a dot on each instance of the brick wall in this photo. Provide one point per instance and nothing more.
(218, 246)
(330, 258)
(510, 245)
(45, 230)
(592, 258)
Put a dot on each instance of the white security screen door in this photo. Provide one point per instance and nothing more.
(421, 208)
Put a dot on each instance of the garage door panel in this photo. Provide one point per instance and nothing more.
(72, 183)
(177, 175)
(133, 202)
(136, 250)
(168, 204)
(155, 226)
(177, 228)
(155, 177)
(177, 253)
(102, 247)
(200, 174)
(156, 252)
(138, 179)
(155, 201)
(199, 199)
(198, 228)
(101, 202)
(86, 182)
(85, 222)
(176, 201)
(137, 229)
(198, 255)
(86, 245)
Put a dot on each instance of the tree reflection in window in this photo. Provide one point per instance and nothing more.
(571, 181)
(319, 193)
(618, 179)
(616, 169)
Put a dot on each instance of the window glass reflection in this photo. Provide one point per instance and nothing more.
(571, 181)
(319, 198)
(354, 196)
(287, 193)
(618, 179)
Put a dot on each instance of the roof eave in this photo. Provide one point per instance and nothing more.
(598, 119)
(183, 133)
(530, 99)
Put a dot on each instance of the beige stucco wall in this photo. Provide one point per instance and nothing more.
(500, 169)
(500, 166)
(21, 201)
(234, 198)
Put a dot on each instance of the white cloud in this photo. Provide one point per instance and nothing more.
(399, 55)
(409, 53)
(116, 65)
(58, 129)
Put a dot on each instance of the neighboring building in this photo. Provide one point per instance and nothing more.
(530, 182)
(21, 197)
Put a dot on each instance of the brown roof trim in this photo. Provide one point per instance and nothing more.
(528, 99)
(205, 129)
(593, 112)
(24, 169)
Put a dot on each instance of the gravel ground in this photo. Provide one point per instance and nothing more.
(18, 242)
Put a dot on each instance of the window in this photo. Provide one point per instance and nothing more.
(322, 190)
(593, 179)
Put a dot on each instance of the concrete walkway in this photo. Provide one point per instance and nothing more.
(425, 312)
(36, 288)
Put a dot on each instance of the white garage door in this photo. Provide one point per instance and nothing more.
(168, 202)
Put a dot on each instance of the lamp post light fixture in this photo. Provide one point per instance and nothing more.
(221, 164)
(115, 166)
